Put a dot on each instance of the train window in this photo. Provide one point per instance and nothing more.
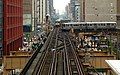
(108, 24)
(102, 24)
(112, 24)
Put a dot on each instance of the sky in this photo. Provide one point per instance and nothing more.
(60, 5)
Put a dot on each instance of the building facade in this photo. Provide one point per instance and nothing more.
(12, 25)
(77, 11)
(82, 10)
(44, 8)
(1, 28)
(72, 9)
(50, 9)
(27, 16)
(100, 10)
(118, 13)
(68, 11)
(41, 10)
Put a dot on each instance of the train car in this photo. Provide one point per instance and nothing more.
(60, 21)
(89, 25)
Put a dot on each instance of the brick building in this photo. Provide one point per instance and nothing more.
(12, 25)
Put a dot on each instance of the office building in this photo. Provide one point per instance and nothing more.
(1, 28)
(99, 10)
(12, 25)
(27, 16)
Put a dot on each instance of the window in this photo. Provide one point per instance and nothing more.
(0, 9)
(0, 21)
(111, 17)
(111, 4)
(111, 10)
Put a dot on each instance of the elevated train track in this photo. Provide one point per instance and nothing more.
(73, 65)
(49, 60)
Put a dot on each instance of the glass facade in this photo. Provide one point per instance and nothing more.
(1, 23)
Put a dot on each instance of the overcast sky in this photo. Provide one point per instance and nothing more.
(60, 5)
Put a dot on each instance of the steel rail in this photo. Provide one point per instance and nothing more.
(79, 66)
(32, 58)
(54, 64)
(67, 60)
(50, 54)
(44, 54)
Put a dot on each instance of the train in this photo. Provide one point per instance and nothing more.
(89, 25)
(60, 21)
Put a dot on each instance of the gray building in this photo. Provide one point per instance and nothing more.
(82, 10)
(100, 10)
(1, 25)
(118, 13)
(77, 11)
(50, 10)
(72, 8)
(41, 10)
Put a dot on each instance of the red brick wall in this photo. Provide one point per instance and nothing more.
(13, 25)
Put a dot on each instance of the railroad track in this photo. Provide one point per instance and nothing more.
(53, 61)
(74, 66)
(45, 64)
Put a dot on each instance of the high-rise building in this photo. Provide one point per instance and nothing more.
(27, 16)
(99, 10)
(118, 13)
(50, 9)
(41, 10)
(12, 25)
(1, 28)
(44, 8)
(82, 10)
(68, 11)
(72, 8)
(77, 11)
